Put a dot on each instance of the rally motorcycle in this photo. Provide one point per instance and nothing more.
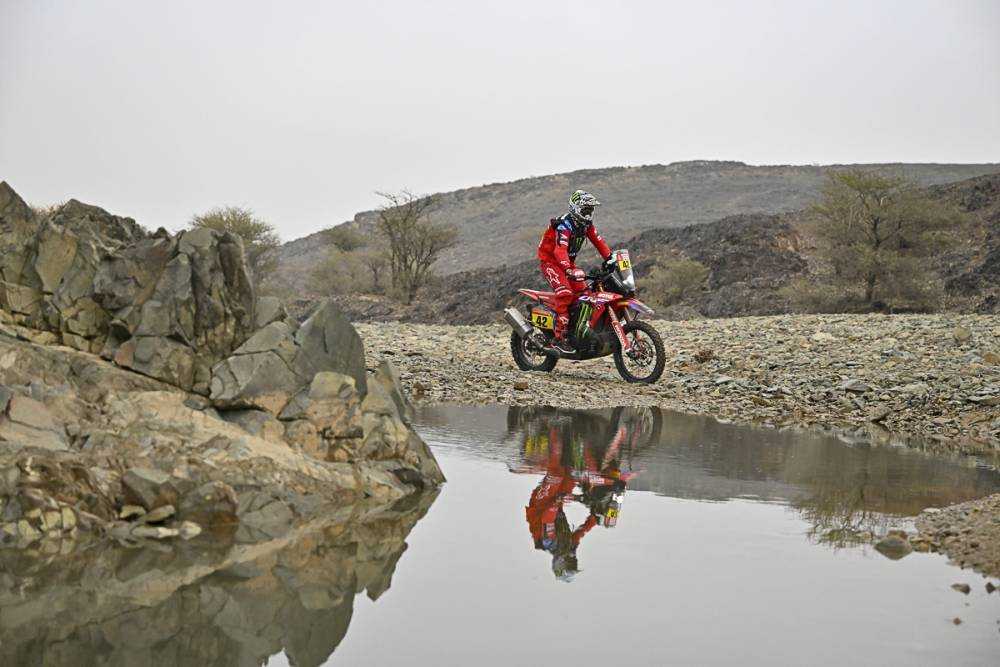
(603, 320)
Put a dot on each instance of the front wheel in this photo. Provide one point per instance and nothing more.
(527, 358)
(645, 361)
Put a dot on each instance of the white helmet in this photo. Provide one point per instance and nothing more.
(582, 205)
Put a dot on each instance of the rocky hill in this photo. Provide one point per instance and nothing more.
(147, 393)
(972, 271)
(750, 258)
(500, 223)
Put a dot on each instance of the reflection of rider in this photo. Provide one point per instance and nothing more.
(599, 480)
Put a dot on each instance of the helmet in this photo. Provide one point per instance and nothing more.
(582, 205)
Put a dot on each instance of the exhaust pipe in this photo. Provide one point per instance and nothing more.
(516, 320)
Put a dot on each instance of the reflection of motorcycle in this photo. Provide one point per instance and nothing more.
(585, 459)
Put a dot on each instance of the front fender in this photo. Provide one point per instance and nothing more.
(633, 304)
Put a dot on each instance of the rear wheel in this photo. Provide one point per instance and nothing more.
(527, 357)
(645, 361)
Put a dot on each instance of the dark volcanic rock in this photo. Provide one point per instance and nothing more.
(749, 257)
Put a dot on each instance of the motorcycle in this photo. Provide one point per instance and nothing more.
(603, 320)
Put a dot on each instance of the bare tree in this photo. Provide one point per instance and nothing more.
(412, 240)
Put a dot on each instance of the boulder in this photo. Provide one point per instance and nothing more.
(328, 342)
(269, 309)
(332, 405)
(17, 226)
(893, 547)
(278, 364)
(5, 395)
(386, 435)
(160, 358)
(212, 504)
(387, 378)
(149, 488)
(20, 299)
(260, 381)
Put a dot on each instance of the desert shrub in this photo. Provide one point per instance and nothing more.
(911, 293)
(674, 281)
(46, 210)
(345, 238)
(803, 295)
(259, 236)
(340, 273)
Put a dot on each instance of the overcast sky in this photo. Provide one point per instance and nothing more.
(301, 110)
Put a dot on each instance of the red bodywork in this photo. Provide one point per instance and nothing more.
(606, 304)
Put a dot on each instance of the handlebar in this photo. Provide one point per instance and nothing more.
(600, 273)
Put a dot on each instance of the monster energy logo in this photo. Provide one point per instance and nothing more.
(583, 321)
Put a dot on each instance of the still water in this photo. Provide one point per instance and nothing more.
(629, 536)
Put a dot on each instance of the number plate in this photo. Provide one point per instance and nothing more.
(541, 319)
(623, 261)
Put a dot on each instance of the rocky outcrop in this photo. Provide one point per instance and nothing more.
(146, 393)
(169, 307)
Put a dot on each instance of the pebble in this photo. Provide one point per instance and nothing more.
(968, 532)
(158, 515)
(154, 532)
(129, 511)
(189, 530)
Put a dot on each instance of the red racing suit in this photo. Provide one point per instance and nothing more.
(557, 253)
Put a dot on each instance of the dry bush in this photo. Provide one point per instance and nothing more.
(46, 210)
(345, 238)
(259, 236)
(806, 296)
(341, 273)
(675, 281)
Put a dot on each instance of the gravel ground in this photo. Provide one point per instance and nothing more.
(968, 532)
(932, 376)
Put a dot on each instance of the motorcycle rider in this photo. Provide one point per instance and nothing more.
(557, 253)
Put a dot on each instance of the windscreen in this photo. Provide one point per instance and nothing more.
(625, 269)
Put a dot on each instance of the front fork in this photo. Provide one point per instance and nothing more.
(619, 331)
